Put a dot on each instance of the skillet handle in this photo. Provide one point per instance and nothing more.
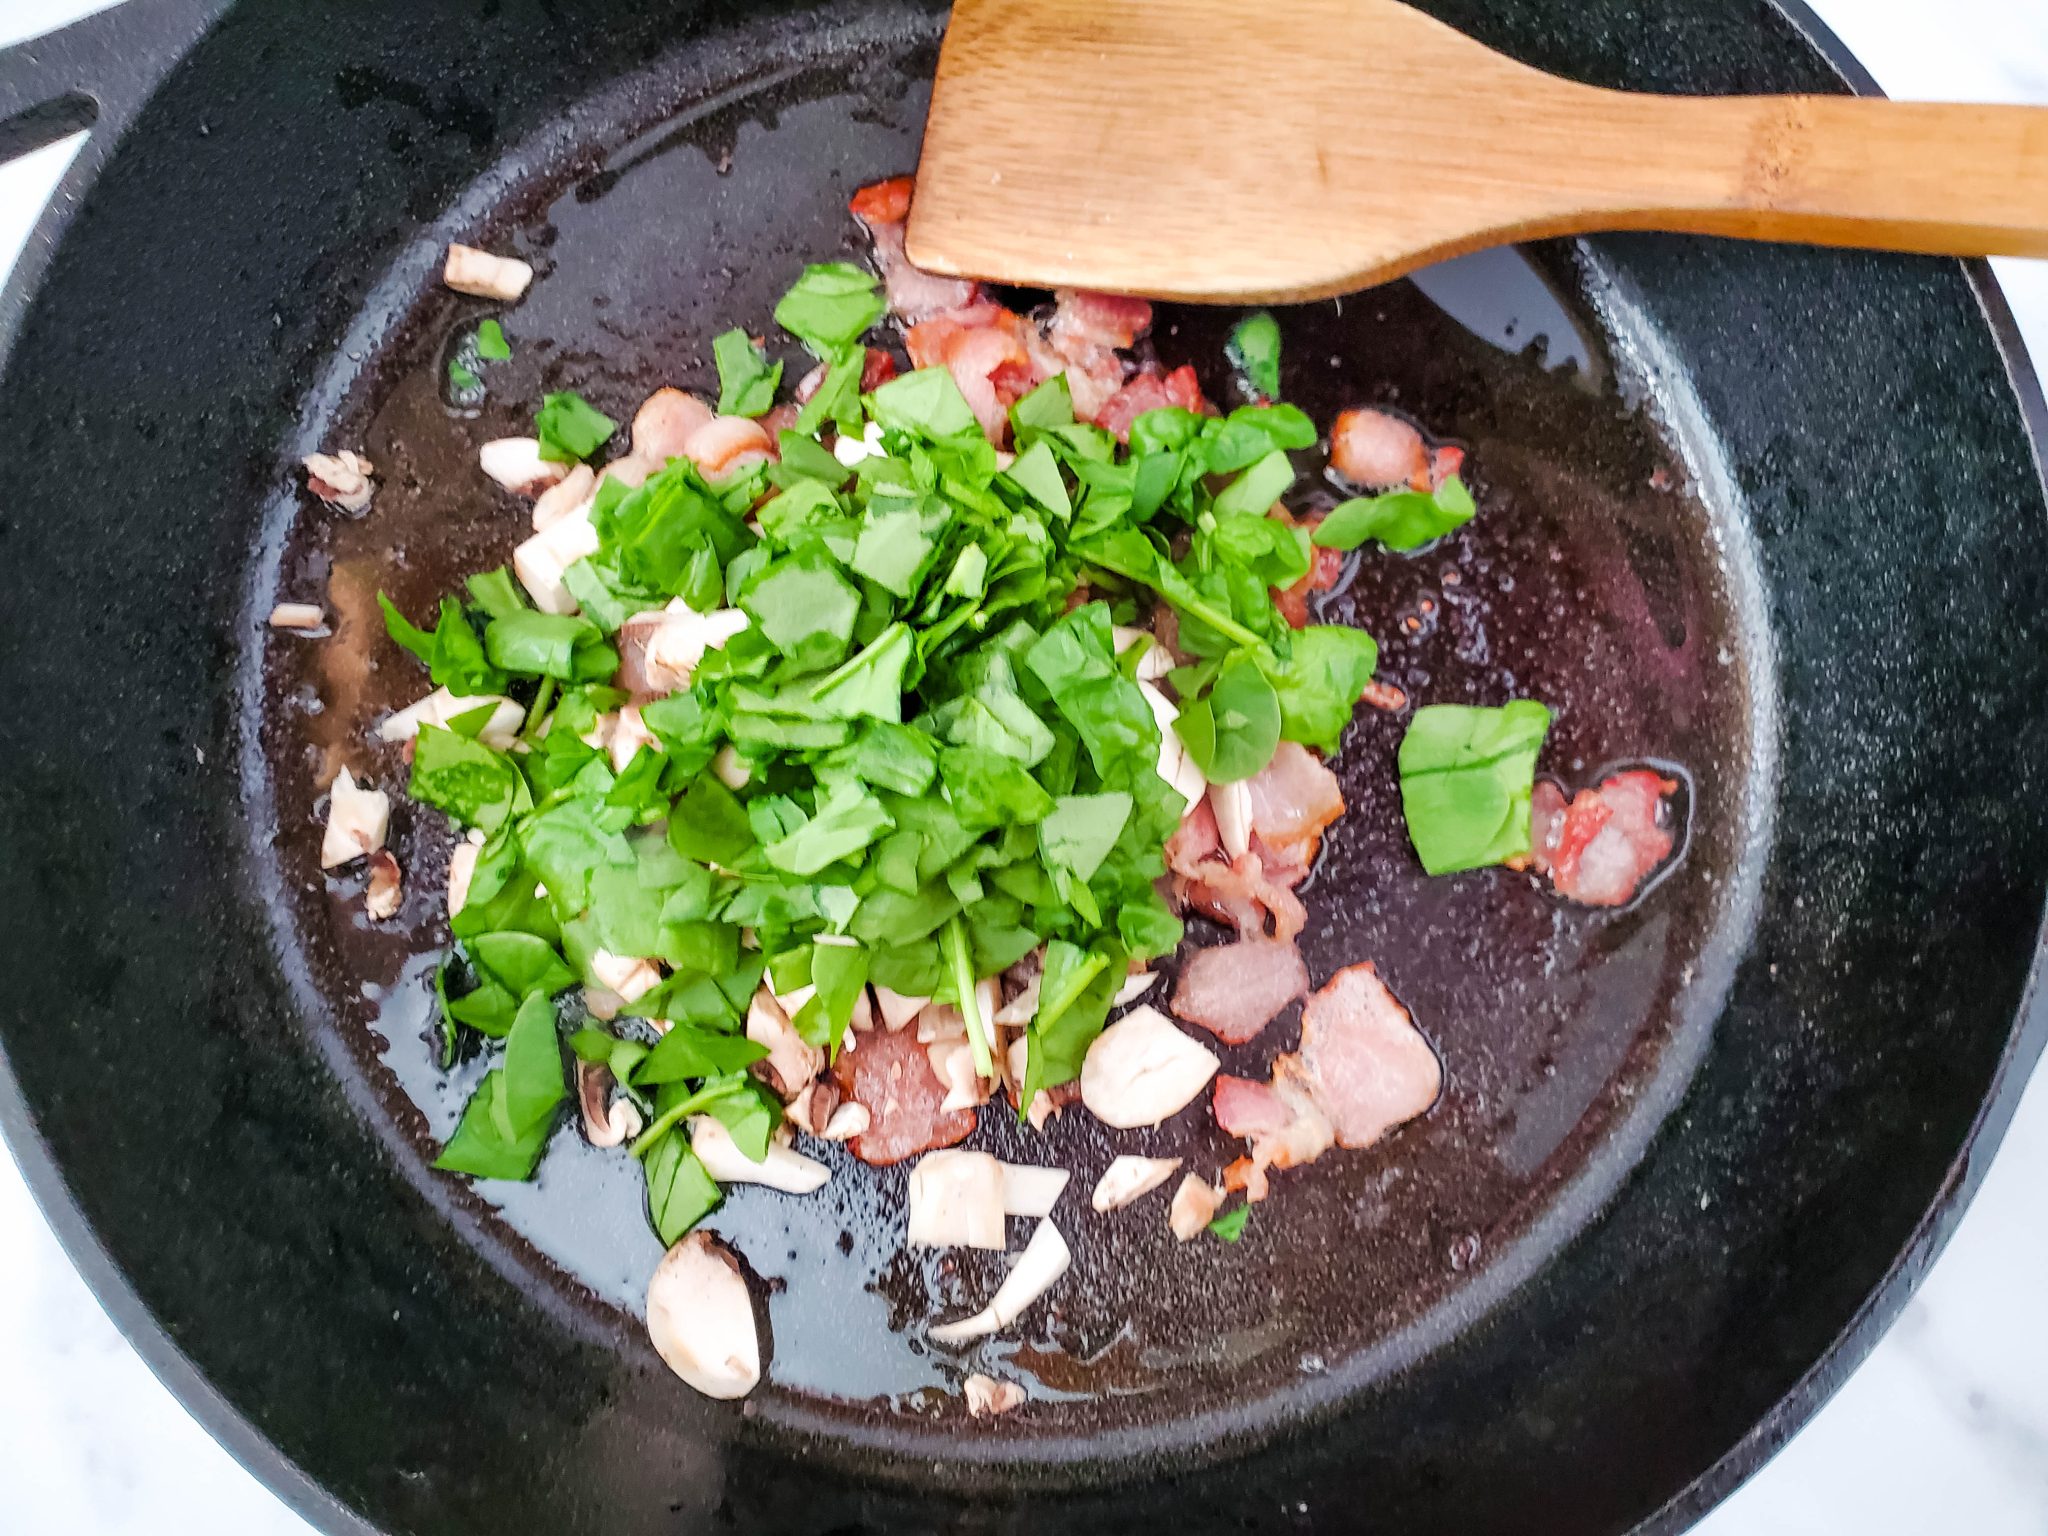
(95, 73)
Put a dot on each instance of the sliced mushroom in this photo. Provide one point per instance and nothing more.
(1021, 1008)
(299, 616)
(573, 490)
(1175, 766)
(848, 1121)
(462, 869)
(1129, 1178)
(542, 560)
(632, 979)
(515, 463)
(1232, 804)
(357, 820)
(1032, 1191)
(1135, 986)
(469, 270)
(791, 1064)
(987, 1397)
(341, 479)
(701, 1318)
(1194, 1207)
(385, 890)
(1154, 663)
(956, 1201)
(673, 642)
(938, 1022)
(897, 1009)
(441, 706)
(953, 1064)
(629, 734)
(607, 1122)
(732, 769)
(603, 1004)
(811, 1111)
(1142, 1069)
(783, 1168)
(1038, 1268)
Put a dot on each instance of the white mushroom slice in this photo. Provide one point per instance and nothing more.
(897, 1009)
(1232, 804)
(631, 979)
(1155, 663)
(469, 270)
(357, 820)
(1029, 1191)
(676, 645)
(542, 560)
(701, 1318)
(603, 1004)
(848, 1121)
(340, 479)
(607, 1122)
(940, 1021)
(790, 1064)
(851, 450)
(628, 735)
(783, 1168)
(953, 1064)
(573, 490)
(1043, 1105)
(1135, 986)
(385, 890)
(1175, 766)
(1044, 1259)
(956, 1201)
(1143, 1069)
(299, 616)
(1022, 1008)
(441, 706)
(1128, 1177)
(732, 769)
(987, 1397)
(516, 464)
(461, 870)
(1194, 1207)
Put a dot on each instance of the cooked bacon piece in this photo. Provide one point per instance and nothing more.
(1241, 891)
(725, 445)
(1373, 449)
(1292, 799)
(1363, 1068)
(913, 295)
(1097, 319)
(1281, 1120)
(1444, 463)
(1384, 696)
(1324, 567)
(979, 345)
(878, 369)
(1600, 848)
(1235, 990)
(665, 423)
(1148, 391)
(891, 1076)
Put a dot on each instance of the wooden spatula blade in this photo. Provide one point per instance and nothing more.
(1204, 149)
(1234, 150)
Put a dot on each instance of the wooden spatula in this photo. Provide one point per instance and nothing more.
(1290, 149)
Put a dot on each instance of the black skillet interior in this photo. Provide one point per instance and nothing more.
(1863, 541)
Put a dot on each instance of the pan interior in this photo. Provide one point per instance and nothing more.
(1606, 574)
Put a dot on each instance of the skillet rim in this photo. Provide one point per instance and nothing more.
(133, 49)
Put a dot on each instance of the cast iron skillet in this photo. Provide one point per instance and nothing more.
(1831, 1026)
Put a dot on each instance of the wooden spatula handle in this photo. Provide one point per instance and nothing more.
(1947, 180)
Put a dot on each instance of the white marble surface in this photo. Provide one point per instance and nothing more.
(1944, 1429)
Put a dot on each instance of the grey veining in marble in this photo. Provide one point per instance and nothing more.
(1944, 1429)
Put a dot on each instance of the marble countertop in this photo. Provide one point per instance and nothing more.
(1944, 1428)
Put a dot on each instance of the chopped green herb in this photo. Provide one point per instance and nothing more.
(1229, 1227)
(570, 428)
(1401, 520)
(1255, 352)
(747, 381)
(1466, 778)
(491, 344)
